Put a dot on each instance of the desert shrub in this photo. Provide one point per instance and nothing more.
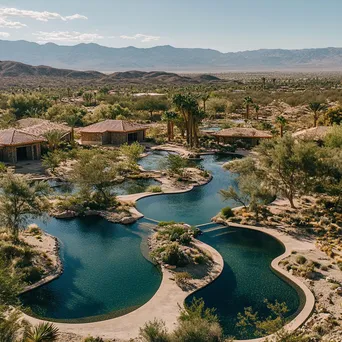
(2, 167)
(165, 223)
(182, 278)
(9, 251)
(185, 239)
(300, 259)
(93, 339)
(174, 164)
(31, 274)
(195, 231)
(200, 259)
(227, 212)
(154, 188)
(197, 310)
(198, 330)
(34, 230)
(334, 138)
(154, 332)
(174, 256)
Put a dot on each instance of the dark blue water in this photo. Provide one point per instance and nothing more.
(247, 278)
(197, 206)
(104, 272)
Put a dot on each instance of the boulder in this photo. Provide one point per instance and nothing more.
(127, 220)
(91, 212)
(66, 214)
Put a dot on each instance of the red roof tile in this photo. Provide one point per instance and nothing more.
(113, 126)
(12, 136)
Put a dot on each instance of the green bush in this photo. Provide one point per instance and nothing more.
(227, 212)
(154, 188)
(200, 259)
(32, 274)
(2, 167)
(93, 339)
(181, 278)
(301, 259)
(154, 332)
(198, 330)
(174, 256)
(165, 223)
(185, 239)
(8, 251)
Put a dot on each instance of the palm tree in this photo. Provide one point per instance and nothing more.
(247, 102)
(53, 138)
(256, 108)
(316, 108)
(170, 117)
(281, 121)
(43, 332)
(205, 98)
(71, 121)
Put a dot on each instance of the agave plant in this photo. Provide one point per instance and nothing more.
(43, 332)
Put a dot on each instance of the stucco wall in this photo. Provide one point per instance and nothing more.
(9, 153)
(91, 138)
(108, 138)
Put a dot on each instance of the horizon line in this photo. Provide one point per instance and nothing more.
(168, 45)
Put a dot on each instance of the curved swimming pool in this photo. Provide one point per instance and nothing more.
(247, 278)
(106, 274)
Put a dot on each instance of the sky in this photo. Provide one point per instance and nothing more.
(224, 25)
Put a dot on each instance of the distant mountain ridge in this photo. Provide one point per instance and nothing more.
(96, 57)
(20, 74)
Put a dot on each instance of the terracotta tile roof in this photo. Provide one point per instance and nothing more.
(314, 133)
(39, 127)
(113, 126)
(242, 132)
(13, 137)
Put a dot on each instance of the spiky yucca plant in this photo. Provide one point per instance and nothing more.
(43, 332)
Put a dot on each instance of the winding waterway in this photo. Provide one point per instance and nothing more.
(107, 275)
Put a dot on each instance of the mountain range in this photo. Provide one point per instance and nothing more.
(14, 74)
(107, 59)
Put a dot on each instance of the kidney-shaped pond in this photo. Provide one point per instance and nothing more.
(105, 271)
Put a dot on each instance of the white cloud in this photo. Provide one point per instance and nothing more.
(11, 24)
(66, 36)
(143, 37)
(76, 16)
(4, 34)
(6, 13)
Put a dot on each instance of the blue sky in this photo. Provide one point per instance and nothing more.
(224, 25)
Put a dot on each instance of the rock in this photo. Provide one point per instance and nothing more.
(65, 214)
(339, 290)
(127, 220)
(91, 212)
(170, 267)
